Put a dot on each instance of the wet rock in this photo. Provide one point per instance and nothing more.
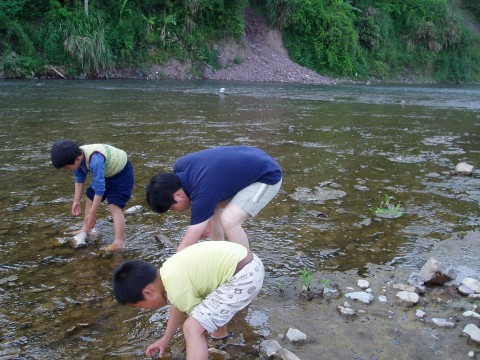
(473, 332)
(8, 279)
(137, 209)
(360, 296)
(472, 284)
(403, 287)
(363, 284)
(465, 290)
(295, 336)
(318, 196)
(285, 354)
(382, 298)
(463, 169)
(436, 272)
(408, 297)
(420, 313)
(471, 314)
(346, 311)
(440, 322)
(219, 352)
(417, 280)
(269, 348)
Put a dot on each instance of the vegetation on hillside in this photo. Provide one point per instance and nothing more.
(382, 39)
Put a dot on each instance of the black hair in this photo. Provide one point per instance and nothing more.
(160, 191)
(64, 152)
(130, 278)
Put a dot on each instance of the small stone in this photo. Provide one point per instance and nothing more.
(465, 290)
(471, 314)
(269, 348)
(363, 284)
(134, 210)
(472, 284)
(346, 311)
(295, 335)
(420, 313)
(408, 296)
(382, 298)
(440, 322)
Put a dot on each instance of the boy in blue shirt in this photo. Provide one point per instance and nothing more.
(112, 179)
(210, 291)
(222, 186)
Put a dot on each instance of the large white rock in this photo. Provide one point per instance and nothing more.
(473, 332)
(472, 284)
(361, 296)
(295, 335)
(408, 296)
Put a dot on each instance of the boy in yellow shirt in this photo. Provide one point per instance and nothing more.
(209, 282)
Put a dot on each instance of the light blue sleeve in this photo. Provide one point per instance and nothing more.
(97, 167)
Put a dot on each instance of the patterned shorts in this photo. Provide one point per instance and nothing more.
(224, 302)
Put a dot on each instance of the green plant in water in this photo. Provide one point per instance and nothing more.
(389, 208)
(305, 279)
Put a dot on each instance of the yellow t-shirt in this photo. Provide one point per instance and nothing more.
(194, 272)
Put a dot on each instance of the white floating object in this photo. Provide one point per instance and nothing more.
(222, 90)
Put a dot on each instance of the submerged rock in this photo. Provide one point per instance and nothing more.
(463, 169)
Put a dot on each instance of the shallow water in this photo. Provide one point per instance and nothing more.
(353, 144)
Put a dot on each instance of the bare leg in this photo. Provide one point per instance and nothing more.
(216, 228)
(195, 339)
(232, 219)
(118, 226)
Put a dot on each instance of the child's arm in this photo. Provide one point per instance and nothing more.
(77, 205)
(193, 234)
(174, 320)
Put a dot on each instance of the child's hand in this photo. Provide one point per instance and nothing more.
(76, 208)
(160, 345)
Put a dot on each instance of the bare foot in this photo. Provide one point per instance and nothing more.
(112, 247)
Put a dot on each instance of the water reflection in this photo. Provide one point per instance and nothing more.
(359, 140)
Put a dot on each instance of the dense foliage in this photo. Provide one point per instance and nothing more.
(382, 39)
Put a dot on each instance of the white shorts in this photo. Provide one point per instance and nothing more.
(224, 302)
(255, 197)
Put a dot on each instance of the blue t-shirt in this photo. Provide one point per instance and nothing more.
(210, 176)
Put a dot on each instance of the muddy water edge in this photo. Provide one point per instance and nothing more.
(343, 149)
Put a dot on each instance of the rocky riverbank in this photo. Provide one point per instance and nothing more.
(387, 312)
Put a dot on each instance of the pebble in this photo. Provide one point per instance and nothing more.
(363, 284)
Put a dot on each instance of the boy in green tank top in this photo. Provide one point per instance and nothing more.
(112, 179)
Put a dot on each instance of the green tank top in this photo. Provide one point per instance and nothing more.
(115, 159)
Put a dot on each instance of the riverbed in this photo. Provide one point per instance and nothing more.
(343, 149)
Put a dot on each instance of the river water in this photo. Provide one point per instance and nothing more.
(344, 150)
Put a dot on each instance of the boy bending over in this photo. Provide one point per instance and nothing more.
(208, 281)
(112, 179)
